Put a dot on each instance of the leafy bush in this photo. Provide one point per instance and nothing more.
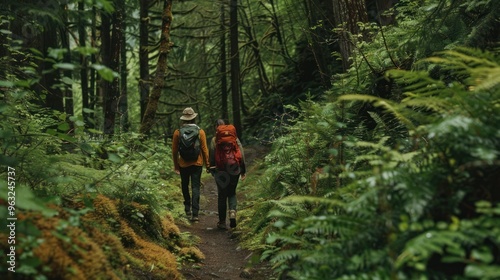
(420, 206)
(76, 193)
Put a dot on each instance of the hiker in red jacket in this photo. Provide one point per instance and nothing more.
(227, 164)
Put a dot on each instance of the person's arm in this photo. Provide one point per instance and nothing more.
(242, 163)
(204, 148)
(212, 152)
(241, 149)
(175, 151)
(211, 147)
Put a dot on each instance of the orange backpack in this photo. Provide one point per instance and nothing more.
(227, 152)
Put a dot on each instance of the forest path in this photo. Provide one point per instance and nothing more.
(224, 257)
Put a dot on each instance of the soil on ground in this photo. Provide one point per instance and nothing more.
(224, 257)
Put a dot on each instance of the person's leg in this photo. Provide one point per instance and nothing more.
(231, 197)
(185, 190)
(195, 185)
(222, 203)
(222, 180)
(231, 192)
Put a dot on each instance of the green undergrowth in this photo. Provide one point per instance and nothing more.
(413, 197)
(86, 206)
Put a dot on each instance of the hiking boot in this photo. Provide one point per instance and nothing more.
(232, 218)
(221, 225)
(195, 219)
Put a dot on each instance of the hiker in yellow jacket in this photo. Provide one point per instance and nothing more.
(189, 153)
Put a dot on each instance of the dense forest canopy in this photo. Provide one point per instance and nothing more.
(382, 117)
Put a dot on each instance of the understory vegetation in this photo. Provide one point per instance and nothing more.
(416, 198)
(87, 208)
(392, 173)
(395, 174)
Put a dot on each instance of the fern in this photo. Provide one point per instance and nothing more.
(458, 242)
(404, 208)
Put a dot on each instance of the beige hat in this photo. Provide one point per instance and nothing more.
(188, 114)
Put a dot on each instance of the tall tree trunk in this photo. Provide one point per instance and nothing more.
(123, 99)
(82, 38)
(279, 36)
(30, 35)
(111, 56)
(235, 65)
(92, 72)
(105, 86)
(116, 40)
(383, 6)
(68, 91)
(223, 63)
(347, 14)
(315, 10)
(161, 69)
(144, 56)
(54, 96)
(254, 44)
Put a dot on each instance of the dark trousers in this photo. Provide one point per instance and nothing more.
(192, 173)
(226, 191)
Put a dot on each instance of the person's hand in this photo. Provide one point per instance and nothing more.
(212, 170)
(243, 176)
(177, 171)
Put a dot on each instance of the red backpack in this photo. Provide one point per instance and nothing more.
(227, 152)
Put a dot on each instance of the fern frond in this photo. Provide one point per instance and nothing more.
(485, 78)
(418, 82)
(434, 104)
(313, 200)
(484, 72)
(389, 106)
(287, 255)
(378, 120)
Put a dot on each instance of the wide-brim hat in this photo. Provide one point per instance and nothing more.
(188, 114)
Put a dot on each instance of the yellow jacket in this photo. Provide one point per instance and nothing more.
(202, 158)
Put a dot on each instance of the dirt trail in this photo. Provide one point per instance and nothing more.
(224, 258)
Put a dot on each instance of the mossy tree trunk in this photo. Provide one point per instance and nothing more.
(347, 14)
(148, 120)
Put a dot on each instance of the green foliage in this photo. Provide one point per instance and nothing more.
(395, 176)
(53, 168)
(421, 203)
